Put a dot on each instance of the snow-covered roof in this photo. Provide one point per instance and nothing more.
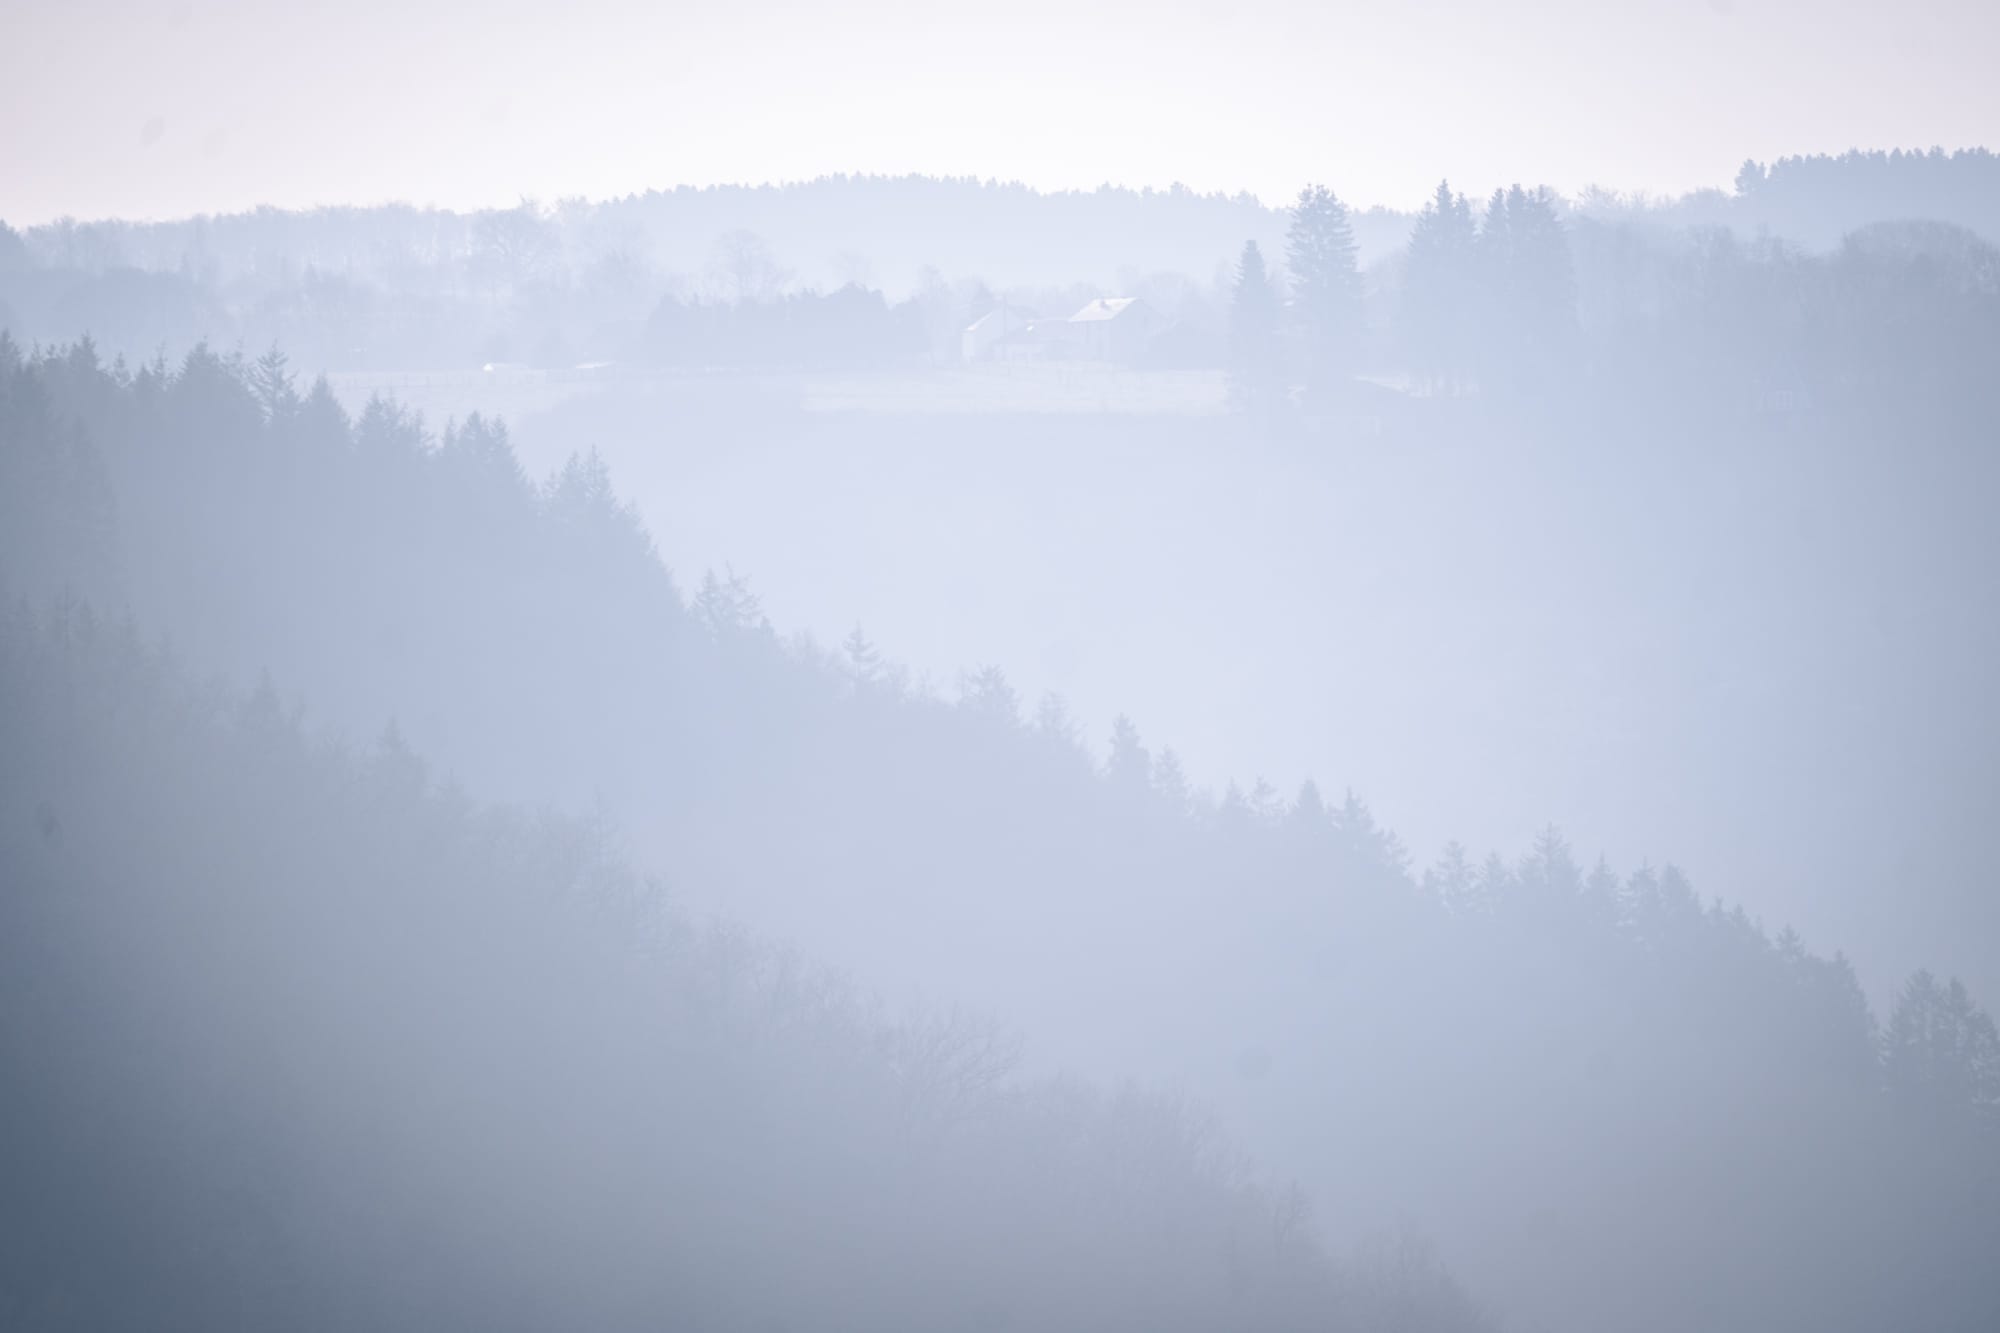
(1104, 307)
(1010, 315)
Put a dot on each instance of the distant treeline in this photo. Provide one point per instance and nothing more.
(1617, 1104)
(1506, 298)
(1819, 198)
(398, 287)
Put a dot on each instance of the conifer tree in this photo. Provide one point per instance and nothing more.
(1130, 768)
(271, 383)
(864, 661)
(1256, 382)
(1940, 1048)
(1527, 288)
(1320, 257)
(1452, 881)
(1439, 289)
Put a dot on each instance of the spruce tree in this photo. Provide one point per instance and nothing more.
(1439, 291)
(1256, 384)
(1129, 770)
(1527, 289)
(271, 383)
(1320, 256)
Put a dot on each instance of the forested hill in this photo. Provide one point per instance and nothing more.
(1816, 198)
(295, 1036)
(823, 233)
(1615, 1105)
(1709, 286)
(887, 230)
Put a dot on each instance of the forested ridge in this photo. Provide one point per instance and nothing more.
(884, 273)
(297, 1036)
(1612, 1103)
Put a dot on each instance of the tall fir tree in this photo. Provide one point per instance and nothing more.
(1129, 769)
(1453, 882)
(1256, 380)
(1940, 1049)
(270, 380)
(1527, 288)
(1321, 259)
(1439, 290)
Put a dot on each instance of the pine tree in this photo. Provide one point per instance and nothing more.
(271, 383)
(1256, 381)
(1546, 284)
(986, 695)
(1440, 299)
(1941, 1049)
(1452, 882)
(1527, 289)
(1493, 257)
(1170, 783)
(864, 662)
(1054, 723)
(1496, 884)
(1130, 768)
(725, 606)
(1233, 814)
(1309, 808)
(1320, 257)
(1367, 844)
(1264, 801)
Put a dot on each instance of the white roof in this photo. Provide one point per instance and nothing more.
(1009, 314)
(1104, 307)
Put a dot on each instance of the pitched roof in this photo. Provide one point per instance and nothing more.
(1008, 315)
(1104, 307)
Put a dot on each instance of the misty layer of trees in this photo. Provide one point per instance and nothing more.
(297, 1036)
(1519, 297)
(883, 273)
(1818, 198)
(404, 288)
(854, 327)
(1614, 1104)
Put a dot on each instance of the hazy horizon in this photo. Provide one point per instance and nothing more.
(203, 108)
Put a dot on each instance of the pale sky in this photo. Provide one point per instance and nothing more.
(161, 110)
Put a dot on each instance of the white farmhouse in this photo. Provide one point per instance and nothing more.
(1114, 328)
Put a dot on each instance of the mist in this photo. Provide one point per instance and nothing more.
(867, 732)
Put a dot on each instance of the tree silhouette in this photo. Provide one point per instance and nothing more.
(271, 382)
(1256, 376)
(1529, 289)
(1325, 283)
(1440, 289)
(1941, 1049)
(1129, 768)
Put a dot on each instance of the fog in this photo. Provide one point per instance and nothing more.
(915, 751)
(219, 106)
(1409, 619)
